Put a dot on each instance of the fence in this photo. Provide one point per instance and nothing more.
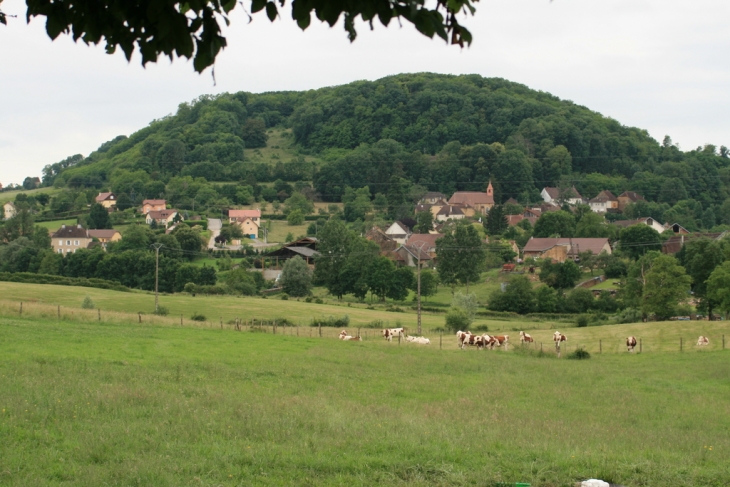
(445, 340)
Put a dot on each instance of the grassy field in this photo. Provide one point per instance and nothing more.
(278, 230)
(10, 195)
(52, 226)
(89, 404)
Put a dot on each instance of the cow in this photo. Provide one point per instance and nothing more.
(419, 340)
(703, 341)
(525, 338)
(344, 336)
(557, 338)
(630, 343)
(389, 333)
(460, 337)
(501, 340)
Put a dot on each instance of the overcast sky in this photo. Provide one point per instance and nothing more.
(661, 65)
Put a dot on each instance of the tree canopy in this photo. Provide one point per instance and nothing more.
(192, 29)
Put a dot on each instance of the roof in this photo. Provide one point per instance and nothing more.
(416, 252)
(395, 231)
(421, 207)
(554, 193)
(154, 202)
(161, 214)
(515, 219)
(675, 243)
(595, 245)
(428, 238)
(71, 231)
(245, 219)
(471, 198)
(102, 233)
(449, 210)
(105, 196)
(383, 240)
(432, 195)
(286, 251)
(631, 196)
(512, 201)
(244, 213)
(628, 223)
(603, 197)
(9, 203)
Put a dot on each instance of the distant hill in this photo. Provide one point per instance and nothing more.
(439, 132)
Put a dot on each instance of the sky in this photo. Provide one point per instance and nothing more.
(661, 65)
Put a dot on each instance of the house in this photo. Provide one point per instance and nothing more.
(675, 243)
(398, 231)
(69, 239)
(473, 202)
(153, 205)
(645, 221)
(107, 200)
(306, 248)
(162, 218)
(254, 215)
(410, 255)
(384, 241)
(530, 215)
(9, 210)
(554, 196)
(604, 202)
(675, 228)
(426, 241)
(451, 212)
(249, 227)
(628, 197)
(105, 236)
(561, 249)
(432, 198)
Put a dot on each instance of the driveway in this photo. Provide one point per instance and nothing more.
(214, 225)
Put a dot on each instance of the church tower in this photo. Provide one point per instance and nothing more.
(490, 190)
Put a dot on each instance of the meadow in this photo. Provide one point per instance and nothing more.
(104, 403)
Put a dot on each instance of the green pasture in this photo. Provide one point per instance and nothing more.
(10, 195)
(278, 230)
(54, 225)
(89, 404)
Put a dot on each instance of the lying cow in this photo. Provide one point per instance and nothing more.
(703, 341)
(418, 340)
(630, 343)
(525, 338)
(389, 333)
(344, 336)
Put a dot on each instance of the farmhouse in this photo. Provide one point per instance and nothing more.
(628, 197)
(426, 241)
(163, 217)
(604, 202)
(384, 241)
(254, 215)
(398, 231)
(107, 200)
(641, 221)
(557, 197)
(105, 236)
(451, 212)
(9, 210)
(153, 205)
(410, 255)
(69, 239)
(562, 249)
(675, 243)
(249, 226)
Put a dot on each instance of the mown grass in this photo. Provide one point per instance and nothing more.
(10, 195)
(54, 225)
(108, 404)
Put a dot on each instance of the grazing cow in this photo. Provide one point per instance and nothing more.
(525, 338)
(419, 340)
(703, 341)
(630, 343)
(490, 342)
(460, 337)
(389, 333)
(501, 340)
(344, 336)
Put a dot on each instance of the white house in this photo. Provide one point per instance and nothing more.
(162, 218)
(552, 195)
(398, 232)
(9, 210)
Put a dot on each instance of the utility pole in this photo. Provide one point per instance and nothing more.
(419, 250)
(157, 247)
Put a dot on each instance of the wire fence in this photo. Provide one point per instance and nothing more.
(444, 340)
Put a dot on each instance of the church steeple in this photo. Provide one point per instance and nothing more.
(490, 190)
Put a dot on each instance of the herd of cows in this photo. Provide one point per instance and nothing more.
(466, 339)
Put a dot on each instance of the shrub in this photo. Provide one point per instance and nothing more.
(375, 324)
(308, 299)
(582, 321)
(285, 297)
(579, 354)
(629, 315)
(394, 309)
(457, 319)
(331, 321)
(197, 317)
(191, 288)
(483, 328)
(88, 303)
(161, 311)
(318, 301)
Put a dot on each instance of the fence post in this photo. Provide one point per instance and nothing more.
(221, 322)
(358, 332)
(273, 327)
(297, 330)
(140, 317)
(641, 345)
(59, 312)
(21, 308)
(181, 319)
(600, 346)
(680, 344)
(441, 336)
(320, 329)
(399, 335)
(723, 342)
(540, 347)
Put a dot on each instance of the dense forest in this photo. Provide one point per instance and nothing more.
(399, 136)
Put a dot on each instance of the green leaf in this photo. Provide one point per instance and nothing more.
(257, 5)
(271, 11)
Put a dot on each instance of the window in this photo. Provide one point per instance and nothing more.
(60, 251)
(60, 242)
(68, 242)
(76, 242)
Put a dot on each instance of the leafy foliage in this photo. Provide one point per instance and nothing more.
(296, 277)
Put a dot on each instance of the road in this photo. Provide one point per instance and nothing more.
(214, 225)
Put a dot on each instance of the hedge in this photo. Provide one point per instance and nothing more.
(193, 223)
(30, 278)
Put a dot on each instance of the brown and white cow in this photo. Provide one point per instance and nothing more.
(525, 338)
(703, 341)
(557, 338)
(389, 333)
(460, 337)
(344, 336)
(630, 343)
(501, 340)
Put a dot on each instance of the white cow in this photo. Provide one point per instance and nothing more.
(389, 333)
(419, 340)
(703, 341)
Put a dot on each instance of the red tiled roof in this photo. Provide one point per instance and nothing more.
(105, 196)
(471, 198)
(595, 245)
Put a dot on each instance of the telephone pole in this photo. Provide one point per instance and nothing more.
(419, 251)
(157, 247)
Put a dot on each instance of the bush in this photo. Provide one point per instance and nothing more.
(308, 299)
(31, 278)
(88, 303)
(457, 319)
(483, 328)
(582, 321)
(331, 321)
(318, 301)
(375, 324)
(161, 311)
(579, 354)
(285, 297)
(394, 309)
(629, 315)
(616, 269)
(197, 317)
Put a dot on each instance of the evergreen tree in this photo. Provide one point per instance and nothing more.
(98, 218)
(496, 222)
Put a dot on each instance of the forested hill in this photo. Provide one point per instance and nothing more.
(439, 132)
